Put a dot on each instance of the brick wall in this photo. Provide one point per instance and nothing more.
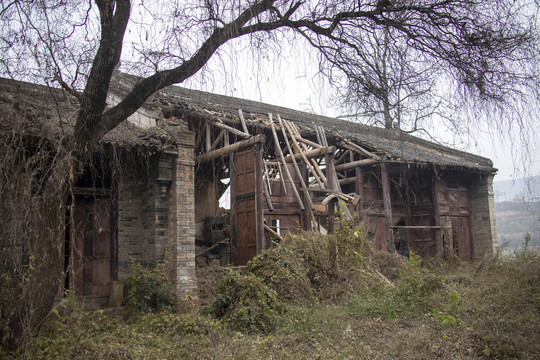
(483, 228)
(156, 212)
(134, 232)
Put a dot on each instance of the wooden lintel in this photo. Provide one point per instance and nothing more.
(224, 151)
(354, 164)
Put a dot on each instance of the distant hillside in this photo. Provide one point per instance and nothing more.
(515, 219)
(525, 189)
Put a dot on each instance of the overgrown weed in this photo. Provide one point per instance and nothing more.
(488, 310)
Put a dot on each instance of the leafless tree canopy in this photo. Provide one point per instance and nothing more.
(488, 47)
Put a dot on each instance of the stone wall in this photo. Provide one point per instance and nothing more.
(483, 228)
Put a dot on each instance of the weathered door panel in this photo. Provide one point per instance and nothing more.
(248, 219)
(91, 246)
(461, 237)
(422, 239)
(246, 247)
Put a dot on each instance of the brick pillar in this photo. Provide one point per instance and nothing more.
(182, 219)
(483, 230)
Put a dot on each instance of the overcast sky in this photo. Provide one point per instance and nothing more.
(290, 80)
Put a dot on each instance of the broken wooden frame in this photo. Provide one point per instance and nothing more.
(284, 178)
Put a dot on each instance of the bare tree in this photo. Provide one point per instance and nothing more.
(395, 85)
(396, 89)
(481, 45)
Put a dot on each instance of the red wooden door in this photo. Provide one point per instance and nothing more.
(91, 246)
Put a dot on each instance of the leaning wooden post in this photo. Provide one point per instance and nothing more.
(331, 179)
(359, 187)
(259, 196)
(436, 188)
(387, 208)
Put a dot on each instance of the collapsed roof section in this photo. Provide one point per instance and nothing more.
(390, 145)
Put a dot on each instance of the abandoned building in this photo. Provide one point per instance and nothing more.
(155, 185)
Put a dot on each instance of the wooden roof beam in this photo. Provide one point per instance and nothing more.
(356, 148)
(354, 164)
(226, 150)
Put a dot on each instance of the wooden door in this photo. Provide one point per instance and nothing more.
(421, 238)
(248, 207)
(461, 237)
(91, 246)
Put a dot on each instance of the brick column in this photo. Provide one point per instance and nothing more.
(483, 230)
(182, 219)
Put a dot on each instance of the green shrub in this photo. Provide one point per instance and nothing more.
(282, 269)
(150, 290)
(246, 303)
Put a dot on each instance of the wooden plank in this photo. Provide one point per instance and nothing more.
(280, 153)
(224, 151)
(243, 121)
